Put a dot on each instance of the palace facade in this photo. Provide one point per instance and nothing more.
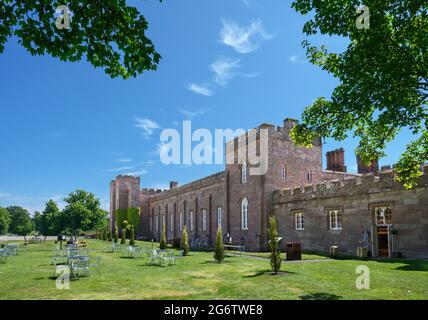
(313, 206)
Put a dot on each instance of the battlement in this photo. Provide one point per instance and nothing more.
(127, 178)
(380, 181)
(192, 186)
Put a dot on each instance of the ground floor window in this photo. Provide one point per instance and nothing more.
(156, 223)
(191, 221)
(181, 221)
(219, 217)
(335, 219)
(204, 220)
(299, 222)
(171, 226)
(383, 215)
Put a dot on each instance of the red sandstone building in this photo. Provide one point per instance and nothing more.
(315, 207)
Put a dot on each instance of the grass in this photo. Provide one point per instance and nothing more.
(28, 276)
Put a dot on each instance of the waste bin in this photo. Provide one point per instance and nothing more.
(333, 251)
(294, 251)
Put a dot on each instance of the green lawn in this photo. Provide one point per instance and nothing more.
(28, 276)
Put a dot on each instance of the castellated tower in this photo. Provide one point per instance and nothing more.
(124, 194)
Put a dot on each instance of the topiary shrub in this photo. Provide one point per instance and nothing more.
(123, 236)
(275, 250)
(163, 244)
(116, 234)
(185, 242)
(219, 248)
(132, 235)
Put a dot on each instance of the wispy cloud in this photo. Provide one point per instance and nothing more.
(296, 59)
(224, 70)
(123, 160)
(244, 39)
(148, 126)
(120, 169)
(136, 173)
(200, 89)
(4, 195)
(192, 113)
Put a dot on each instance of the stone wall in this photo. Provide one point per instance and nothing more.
(357, 197)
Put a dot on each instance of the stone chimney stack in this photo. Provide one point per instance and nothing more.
(173, 185)
(372, 168)
(336, 160)
(290, 123)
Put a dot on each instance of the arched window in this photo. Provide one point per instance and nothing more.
(283, 172)
(309, 175)
(244, 173)
(244, 214)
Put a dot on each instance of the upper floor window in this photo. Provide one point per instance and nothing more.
(171, 225)
(383, 215)
(244, 214)
(309, 175)
(163, 220)
(204, 220)
(219, 217)
(244, 173)
(156, 223)
(283, 172)
(335, 219)
(299, 221)
(181, 221)
(191, 220)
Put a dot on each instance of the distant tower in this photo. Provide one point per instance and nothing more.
(124, 194)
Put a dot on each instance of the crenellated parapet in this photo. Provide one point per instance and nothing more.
(380, 181)
(193, 186)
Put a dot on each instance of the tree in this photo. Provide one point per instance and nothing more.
(109, 235)
(5, 221)
(185, 242)
(21, 223)
(274, 246)
(105, 235)
(110, 34)
(116, 234)
(38, 222)
(163, 244)
(383, 78)
(82, 213)
(219, 248)
(50, 219)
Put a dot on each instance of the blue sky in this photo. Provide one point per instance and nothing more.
(226, 64)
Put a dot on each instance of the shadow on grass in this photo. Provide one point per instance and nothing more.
(215, 262)
(320, 296)
(268, 272)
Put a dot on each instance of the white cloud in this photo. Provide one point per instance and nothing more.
(200, 89)
(148, 126)
(224, 70)
(296, 59)
(244, 39)
(192, 113)
(120, 169)
(137, 173)
(123, 160)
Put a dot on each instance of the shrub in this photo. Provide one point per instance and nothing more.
(163, 244)
(132, 235)
(109, 235)
(116, 234)
(275, 250)
(123, 236)
(219, 248)
(185, 242)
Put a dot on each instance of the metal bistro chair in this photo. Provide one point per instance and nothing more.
(153, 257)
(12, 249)
(94, 262)
(3, 255)
(80, 267)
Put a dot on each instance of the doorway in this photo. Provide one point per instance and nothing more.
(383, 241)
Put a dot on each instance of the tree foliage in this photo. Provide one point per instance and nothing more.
(109, 33)
(21, 222)
(274, 246)
(383, 78)
(5, 221)
(219, 254)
